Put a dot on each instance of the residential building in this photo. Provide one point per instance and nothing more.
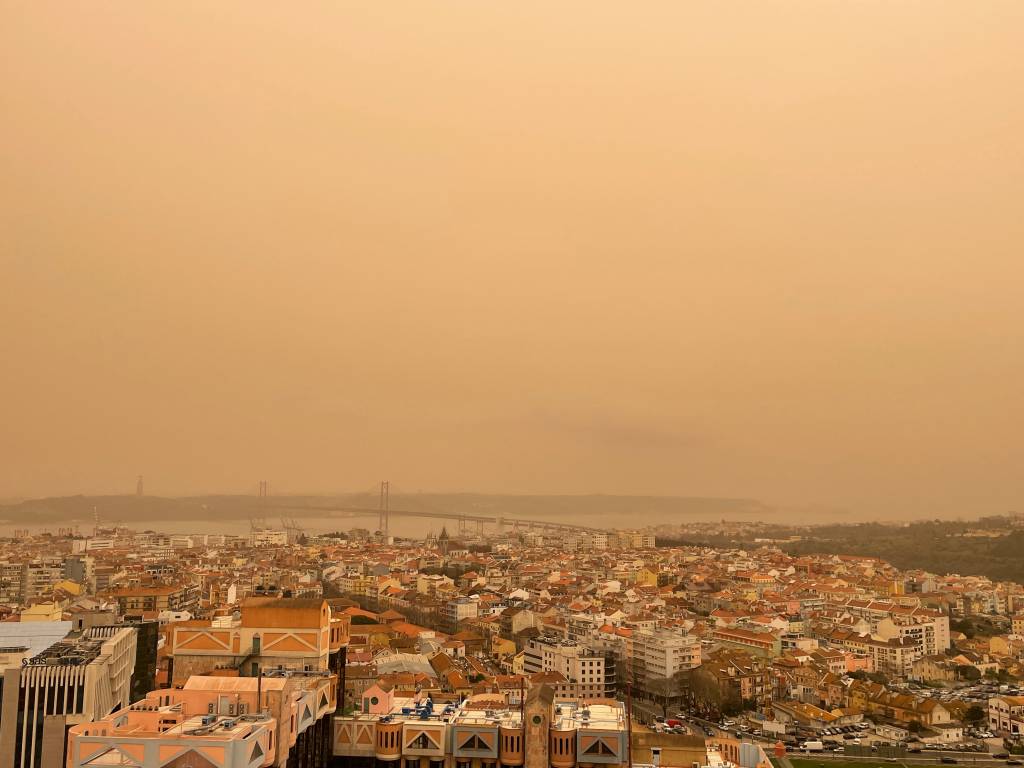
(584, 670)
(662, 653)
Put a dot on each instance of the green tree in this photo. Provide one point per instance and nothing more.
(967, 672)
(975, 714)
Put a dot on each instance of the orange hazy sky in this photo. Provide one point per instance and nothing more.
(763, 249)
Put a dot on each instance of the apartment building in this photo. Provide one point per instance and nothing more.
(81, 569)
(895, 656)
(882, 616)
(585, 671)
(661, 653)
(454, 612)
(12, 576)
(40, 576)
(156, 597)
(930, 635)
(267, 537)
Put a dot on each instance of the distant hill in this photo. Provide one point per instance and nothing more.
(599, 510)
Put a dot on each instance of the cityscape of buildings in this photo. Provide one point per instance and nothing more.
(556, 649)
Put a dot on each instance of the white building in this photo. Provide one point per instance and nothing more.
(268, 537)
(1006, 714)
(663, 653)
(587, 672)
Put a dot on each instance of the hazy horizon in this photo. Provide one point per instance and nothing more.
(767, 251)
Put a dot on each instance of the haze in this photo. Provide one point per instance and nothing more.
(747, 249)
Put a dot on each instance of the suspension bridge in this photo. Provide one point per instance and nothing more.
(466, 522)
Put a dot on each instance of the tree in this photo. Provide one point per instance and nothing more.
(665, 691)
(975, 714)
(967, 672)
(702, 692)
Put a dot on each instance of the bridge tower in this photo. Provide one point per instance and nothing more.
(385, 504)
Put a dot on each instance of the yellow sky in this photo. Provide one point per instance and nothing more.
(766, 249)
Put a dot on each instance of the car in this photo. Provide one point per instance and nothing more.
(915, 751)
(947, 760)
(1014, 762)
(1001, 756)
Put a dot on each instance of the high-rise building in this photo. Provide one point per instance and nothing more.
(75, 678)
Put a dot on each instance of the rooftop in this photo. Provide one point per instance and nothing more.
(34, 636)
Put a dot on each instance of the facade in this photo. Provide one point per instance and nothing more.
(881, 616)
(216, 722)
(895, 656)
(267, 537)
(662, 653)
(585, 671)
(456, 611)
(40, 576)
(764, 644)
(271, 632)
(183, 597)
(1006, 714)
(416, 735)
(75, 680)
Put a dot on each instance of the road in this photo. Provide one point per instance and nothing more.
(924, 758)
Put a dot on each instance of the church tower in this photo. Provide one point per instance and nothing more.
(539, 708)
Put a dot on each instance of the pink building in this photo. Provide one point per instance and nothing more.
(214, 722)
